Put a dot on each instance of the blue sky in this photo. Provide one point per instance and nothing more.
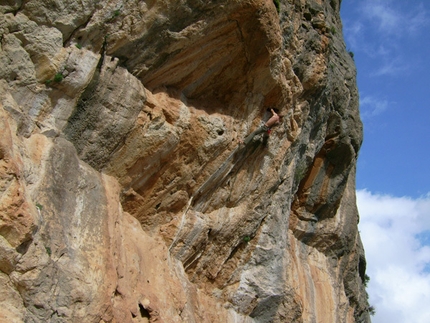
(391, 45)
(390, 40)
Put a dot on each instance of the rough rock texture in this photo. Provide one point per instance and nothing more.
(125, 196)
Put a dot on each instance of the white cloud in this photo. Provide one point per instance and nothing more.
(353, 31)
(394, 231)
(416, 20)
(393, 19)
(391, 67)
(371, 106)
(381, 28)
(387, 19)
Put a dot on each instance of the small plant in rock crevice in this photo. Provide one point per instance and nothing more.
(370, 309)
(114, 15)
(58, 77)
(333, 30)
(277, 5)
(366, 280)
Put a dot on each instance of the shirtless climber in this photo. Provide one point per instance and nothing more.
(273, 120)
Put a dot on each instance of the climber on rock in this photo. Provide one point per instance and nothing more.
(264, 127)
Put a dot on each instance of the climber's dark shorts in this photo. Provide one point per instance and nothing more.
(260, 129)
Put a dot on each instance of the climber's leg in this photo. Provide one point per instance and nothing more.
(259, 130)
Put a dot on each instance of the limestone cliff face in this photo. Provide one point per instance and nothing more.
(125, 196)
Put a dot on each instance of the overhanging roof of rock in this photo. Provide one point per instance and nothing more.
(213, 55)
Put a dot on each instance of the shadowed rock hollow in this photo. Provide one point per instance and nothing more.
(125, 196)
